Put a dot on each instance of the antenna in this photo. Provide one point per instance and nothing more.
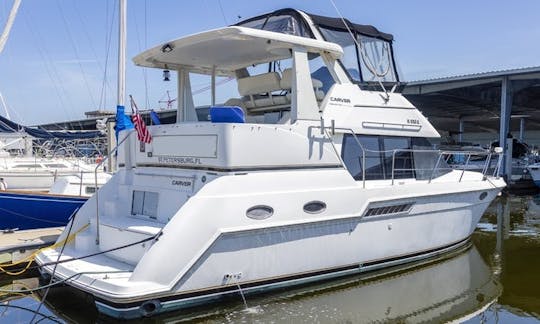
(169, 101)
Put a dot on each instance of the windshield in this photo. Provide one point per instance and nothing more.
(285, 24)
(368, 54)
(370, 62)
(376, 60)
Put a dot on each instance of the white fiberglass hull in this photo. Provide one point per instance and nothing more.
(28, 180)
(215, 257)
(534, 170)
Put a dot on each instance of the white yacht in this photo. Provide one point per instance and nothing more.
(310, 170)
(534, 171)
(38, 174)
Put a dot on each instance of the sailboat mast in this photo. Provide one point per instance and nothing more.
(4, 38)
(9, 24)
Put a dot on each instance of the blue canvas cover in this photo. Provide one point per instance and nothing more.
(7, 126)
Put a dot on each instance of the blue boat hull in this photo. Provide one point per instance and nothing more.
(23, 210)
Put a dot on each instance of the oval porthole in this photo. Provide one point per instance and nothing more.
(314, 207)
(260, 212)
(483, 195)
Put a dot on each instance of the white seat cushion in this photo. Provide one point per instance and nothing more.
(286, 83)
(267, 101)
(262, 83)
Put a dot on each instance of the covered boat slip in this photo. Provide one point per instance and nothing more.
(483, 107)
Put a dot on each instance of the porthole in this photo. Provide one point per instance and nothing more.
(483, 195)
(314, 207)
(260, 212)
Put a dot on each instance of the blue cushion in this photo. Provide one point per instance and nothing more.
(227, 114)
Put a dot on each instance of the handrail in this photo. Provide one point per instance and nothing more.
(441, 155)
(357, 142)
(96, 182)
(81, 184)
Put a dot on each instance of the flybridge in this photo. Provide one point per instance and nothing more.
(368, 52)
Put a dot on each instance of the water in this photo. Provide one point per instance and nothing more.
(496, 279)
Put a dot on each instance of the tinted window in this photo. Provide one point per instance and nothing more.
(90, 190)
(350, 58)
(285, 24)
(379, 154)
(397, 149)
(373, 162)
(144, 203)
(352, 155)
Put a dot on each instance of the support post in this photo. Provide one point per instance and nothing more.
(181, 96)
(521, 129)
(461, 129)
(186, 109)
(504, 130)
(111, 144)
(303, 102)
(213, 85)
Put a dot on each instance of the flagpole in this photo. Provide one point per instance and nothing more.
(122, 55)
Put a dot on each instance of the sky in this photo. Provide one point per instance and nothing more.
(61, 57)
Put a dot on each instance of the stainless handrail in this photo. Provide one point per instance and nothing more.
(436, 167)
(441, 154)
(81, 184)
(357, 142)
(96, 182)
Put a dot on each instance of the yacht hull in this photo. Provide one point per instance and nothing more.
(534, 170)
(193, 299)
(256, 260)
(29, 210)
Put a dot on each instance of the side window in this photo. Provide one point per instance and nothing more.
(350, 57)
(403, 162)
(320, 72)
(374, 165)
(377, 153)
(353, 156)
(144, 203)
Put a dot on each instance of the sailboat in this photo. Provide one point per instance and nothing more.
(34, 192)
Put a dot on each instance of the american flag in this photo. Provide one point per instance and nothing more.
(142, 132)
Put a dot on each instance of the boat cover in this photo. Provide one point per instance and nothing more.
(297, 26)
(8, 126)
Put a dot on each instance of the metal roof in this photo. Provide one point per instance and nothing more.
(479, 75)
(476, 99)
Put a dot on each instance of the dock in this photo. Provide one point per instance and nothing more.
(18, 245)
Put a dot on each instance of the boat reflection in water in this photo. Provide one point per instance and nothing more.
(22, 307)
(509, 238)
(455, 287)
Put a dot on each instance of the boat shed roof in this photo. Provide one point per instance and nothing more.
(476, 98)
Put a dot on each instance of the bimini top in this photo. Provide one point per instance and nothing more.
(229, 49)
(368, 58)
(296, 25)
